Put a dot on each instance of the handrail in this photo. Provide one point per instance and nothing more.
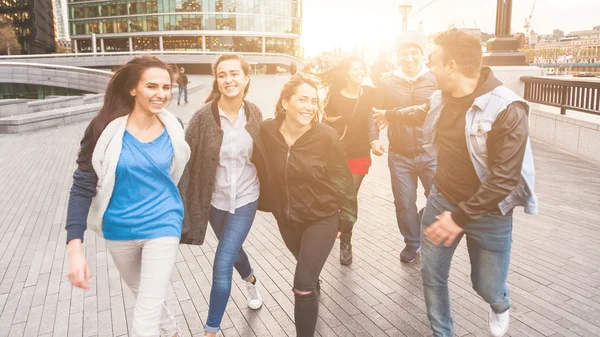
(572, 94)
(125, 53)
(57, 67)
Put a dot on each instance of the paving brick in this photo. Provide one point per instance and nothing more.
(554, 275)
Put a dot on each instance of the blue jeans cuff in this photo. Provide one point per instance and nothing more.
(501, 307)
(210, 329)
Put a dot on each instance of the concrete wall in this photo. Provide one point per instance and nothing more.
(47, 119)
(14, 107)
(55, 103)
(511, 76)
(91, 82)
(577, 136)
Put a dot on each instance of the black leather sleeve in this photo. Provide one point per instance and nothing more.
(506, 143)
(410, 116)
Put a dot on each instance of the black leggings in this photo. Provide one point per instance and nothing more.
(358, 178)
(311, 248)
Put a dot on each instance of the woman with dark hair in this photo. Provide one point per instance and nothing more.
(220, 184)
(306, 183)
(348, 109)
(132, 155)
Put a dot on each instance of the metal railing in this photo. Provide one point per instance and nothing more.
(567, 94)
(135, 53)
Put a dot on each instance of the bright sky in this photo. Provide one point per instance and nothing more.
(345, 23)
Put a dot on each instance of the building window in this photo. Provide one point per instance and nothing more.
(146, 44)
(182, 43)
(220, 43)
(116, 45)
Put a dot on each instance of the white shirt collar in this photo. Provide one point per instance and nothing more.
(401, 74)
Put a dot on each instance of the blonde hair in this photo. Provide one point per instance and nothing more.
(289, 89)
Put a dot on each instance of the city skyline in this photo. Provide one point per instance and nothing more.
(356, 23)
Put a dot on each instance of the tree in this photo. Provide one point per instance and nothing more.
(9, 43)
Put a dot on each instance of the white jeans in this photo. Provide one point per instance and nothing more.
(146, 266)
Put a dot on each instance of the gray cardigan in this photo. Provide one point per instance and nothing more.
(205, 136)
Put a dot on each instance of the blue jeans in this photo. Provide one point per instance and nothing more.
(404, 172)
(184, 89)
(231, 230)
(489, 240)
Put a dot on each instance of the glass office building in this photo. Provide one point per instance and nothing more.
(62, 20)
(34, 24)
(268, 26)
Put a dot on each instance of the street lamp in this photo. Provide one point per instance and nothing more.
(502, 49)
(405, 9)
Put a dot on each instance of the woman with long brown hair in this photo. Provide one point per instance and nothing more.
(132, 156)
(220, 184)
(306, 184)
(348, 107)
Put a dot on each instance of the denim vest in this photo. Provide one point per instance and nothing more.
(479, 120)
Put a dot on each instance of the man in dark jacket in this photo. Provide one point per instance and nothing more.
(411, 84)
(182, 82)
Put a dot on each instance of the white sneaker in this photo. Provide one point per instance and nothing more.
(498, 323)
(254, 299)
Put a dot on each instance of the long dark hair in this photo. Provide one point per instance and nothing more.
(334, 79)
(118, 101)
(289, 89)
(215, 93)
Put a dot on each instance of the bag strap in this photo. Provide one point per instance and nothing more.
(353, 113)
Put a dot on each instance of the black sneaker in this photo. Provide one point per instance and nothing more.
(409, 253)
(177, 103)
(345, 253)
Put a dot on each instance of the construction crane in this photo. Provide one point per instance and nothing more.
(528, 20)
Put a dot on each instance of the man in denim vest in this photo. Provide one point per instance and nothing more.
(478, 131)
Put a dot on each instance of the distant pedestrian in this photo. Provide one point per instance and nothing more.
(293, 68)
(182, 82)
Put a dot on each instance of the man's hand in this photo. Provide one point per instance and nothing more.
(379, 117)
(377, 148)
(444, 230)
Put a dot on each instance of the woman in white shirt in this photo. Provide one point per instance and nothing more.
(220, 184)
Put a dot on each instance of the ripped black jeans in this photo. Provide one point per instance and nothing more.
(310, 247)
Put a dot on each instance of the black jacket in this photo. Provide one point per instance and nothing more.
(400, 93)
(361, 129)
(308, 181)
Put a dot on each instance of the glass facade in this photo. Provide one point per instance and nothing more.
(34, 91)
(34, 24)
(203, 18)
(61, 20)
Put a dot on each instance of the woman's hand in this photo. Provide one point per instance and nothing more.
(79, 271)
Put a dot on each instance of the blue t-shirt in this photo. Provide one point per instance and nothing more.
(145, 202)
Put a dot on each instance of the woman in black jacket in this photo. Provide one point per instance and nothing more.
(348, 109)
(306, 183)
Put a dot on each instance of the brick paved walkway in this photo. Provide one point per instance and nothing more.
(554, 275)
